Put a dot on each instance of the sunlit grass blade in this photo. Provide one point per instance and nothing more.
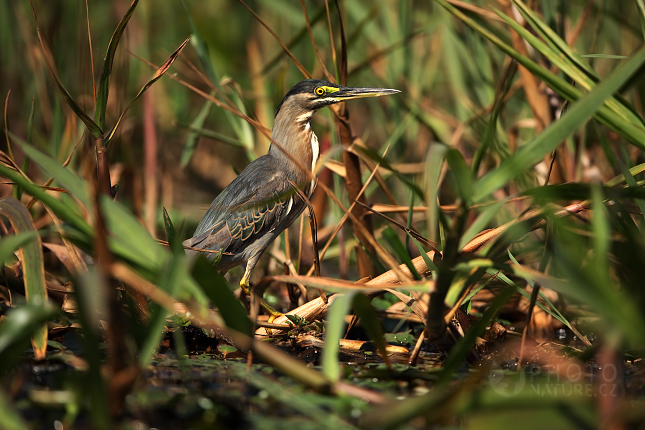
(64, 211)
(561, 55)
(334, 330)
(632, 132)
(532, 152)
(32, 264)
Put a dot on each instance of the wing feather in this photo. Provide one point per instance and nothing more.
(253, 205)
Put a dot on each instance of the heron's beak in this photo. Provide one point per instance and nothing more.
(346, 93)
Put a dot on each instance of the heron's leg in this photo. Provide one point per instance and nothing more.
(246, 287)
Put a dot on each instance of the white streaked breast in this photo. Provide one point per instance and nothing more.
(315, 151)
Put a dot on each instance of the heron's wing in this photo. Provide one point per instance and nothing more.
(256, 202)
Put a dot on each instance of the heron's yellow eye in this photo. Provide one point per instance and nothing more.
(319, 91)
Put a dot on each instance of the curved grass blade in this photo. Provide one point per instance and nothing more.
(158, 74)
(532, 152)
(31, 255)
(52, 168)
(64, 211)
(559, 53)
(634, 134)
(103, 91)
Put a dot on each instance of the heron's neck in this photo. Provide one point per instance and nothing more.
(297, 138)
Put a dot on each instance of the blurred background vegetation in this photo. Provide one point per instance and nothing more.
(523, 113)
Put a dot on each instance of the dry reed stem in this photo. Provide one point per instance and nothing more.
(318, 307)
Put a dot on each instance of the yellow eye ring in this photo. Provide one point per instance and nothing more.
(319, 91)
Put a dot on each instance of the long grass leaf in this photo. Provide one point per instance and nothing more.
(103, 91)
(334, 330)
(532, 152)
(31, 256)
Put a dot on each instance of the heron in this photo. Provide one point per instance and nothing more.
(269, 194)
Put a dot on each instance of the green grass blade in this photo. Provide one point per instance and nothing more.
(169, 281)
(32, 265)
(601, 236)
(103, 91)
(51, 167)
(461, 175)
(90, 292)
(193, 136)
(532, 152)
(64, 211)
(480, 223)
(334, 330)
(632, 132)
(429, 263)
(171, 234)
(218, 290)
(561, 55)
(433, 164)
(395, 243)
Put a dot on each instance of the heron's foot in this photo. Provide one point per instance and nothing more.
(246, 288)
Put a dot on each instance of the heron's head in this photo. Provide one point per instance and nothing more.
(309, 95)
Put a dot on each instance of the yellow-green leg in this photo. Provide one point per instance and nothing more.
(246, 287)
